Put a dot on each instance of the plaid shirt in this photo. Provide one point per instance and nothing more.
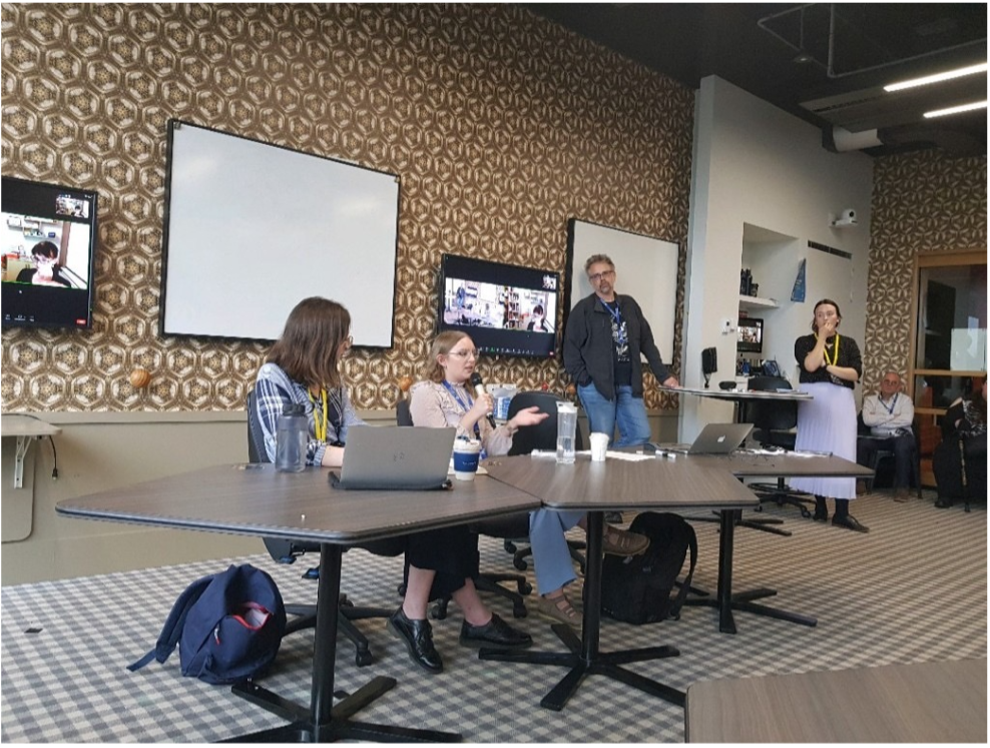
(274, 390)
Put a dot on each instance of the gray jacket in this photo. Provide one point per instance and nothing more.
(588, 347)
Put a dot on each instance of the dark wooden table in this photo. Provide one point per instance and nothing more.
(757, 465)
(598, 487)
(929, 702)
(257, 501)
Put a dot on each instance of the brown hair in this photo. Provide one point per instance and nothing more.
(838, 313)
(441, 346)
(48, 249)
(309, 349)
(598, 258)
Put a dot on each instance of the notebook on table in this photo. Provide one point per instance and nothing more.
(395, 458)
(714, 439)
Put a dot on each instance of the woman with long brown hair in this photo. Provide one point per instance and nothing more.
(303, 367)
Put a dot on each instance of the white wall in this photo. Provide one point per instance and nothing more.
(756, 164)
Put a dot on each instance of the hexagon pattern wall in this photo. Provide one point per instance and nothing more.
(501, 125)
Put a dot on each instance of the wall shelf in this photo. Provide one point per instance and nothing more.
(755, 302)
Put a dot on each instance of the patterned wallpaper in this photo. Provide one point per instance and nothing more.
(922, 202)
(501, 125)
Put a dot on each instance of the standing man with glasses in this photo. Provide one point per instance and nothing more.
(605, 339)
(889, 416)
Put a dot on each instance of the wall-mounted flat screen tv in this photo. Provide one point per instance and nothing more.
(506, 309)
(750, 338)
(49, 248)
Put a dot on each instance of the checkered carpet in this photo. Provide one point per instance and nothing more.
(913, 590)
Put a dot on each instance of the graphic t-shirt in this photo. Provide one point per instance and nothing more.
(620, 345)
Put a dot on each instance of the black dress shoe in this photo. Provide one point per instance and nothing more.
(820, 515)
(850, 523)
(418, 638)
(496, 634)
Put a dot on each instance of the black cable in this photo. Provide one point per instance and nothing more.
(54, 458)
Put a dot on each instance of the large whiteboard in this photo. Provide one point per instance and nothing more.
(251, 229)
(645, 268)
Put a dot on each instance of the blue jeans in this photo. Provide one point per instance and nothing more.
(626, 412)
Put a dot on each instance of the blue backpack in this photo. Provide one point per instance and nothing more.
(228, 626)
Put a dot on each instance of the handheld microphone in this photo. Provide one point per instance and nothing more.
(479, 390)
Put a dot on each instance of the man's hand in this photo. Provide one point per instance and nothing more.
(671, 381)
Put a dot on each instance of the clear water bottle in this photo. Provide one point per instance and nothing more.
(566, 431)
(291, 438)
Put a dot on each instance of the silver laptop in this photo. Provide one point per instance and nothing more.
(715, 439)
(396, 457)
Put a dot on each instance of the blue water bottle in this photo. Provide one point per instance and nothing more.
(291, 437)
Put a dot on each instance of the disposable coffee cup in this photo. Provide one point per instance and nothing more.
(466, 456)
(599, 445)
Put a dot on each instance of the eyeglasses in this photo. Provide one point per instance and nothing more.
(471, 353)
(598, 276)
(892, 381)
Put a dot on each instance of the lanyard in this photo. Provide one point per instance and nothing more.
(890, 410)
(320, 429)
(616, 313)
(835, 353)
(465, 408)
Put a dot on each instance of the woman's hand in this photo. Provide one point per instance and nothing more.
(827, 328)
(527, 417)
(483, 405)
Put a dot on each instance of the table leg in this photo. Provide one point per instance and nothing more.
(325, 722)
(725, 601)
(584, 657)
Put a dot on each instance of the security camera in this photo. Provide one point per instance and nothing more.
(847, 218)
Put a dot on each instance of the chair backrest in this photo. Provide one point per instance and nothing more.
(543, 435)
(770, 415)
(402, 415)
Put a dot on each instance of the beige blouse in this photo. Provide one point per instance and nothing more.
(431, 404)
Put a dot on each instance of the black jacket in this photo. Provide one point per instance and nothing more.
(588, 347)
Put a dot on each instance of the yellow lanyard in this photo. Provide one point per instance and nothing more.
(835, 353)
(320, 428)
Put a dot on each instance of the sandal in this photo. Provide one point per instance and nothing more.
(624, 543)
(558, 609)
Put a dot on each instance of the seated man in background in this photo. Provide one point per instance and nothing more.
(889, 415)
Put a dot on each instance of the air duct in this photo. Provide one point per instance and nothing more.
(840, 140)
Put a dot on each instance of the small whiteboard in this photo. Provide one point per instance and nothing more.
(645, 268)
(251, 229)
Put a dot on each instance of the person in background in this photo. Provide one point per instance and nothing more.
(606, 335)
(830, 366)
(963, 450)
(538, 323)
(443, 399)
(889, 415)
(302, 367)
(46, 271)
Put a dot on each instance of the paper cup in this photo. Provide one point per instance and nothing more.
(599, 445)
(466, 456)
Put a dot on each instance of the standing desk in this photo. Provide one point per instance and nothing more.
(257, 501)
(599, 487)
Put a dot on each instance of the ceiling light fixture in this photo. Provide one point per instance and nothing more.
(936, 78)
(956, 109)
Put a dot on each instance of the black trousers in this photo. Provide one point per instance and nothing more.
(451, 552)
(903, 448)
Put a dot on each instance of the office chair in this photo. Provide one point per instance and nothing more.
(286, 552)
(515, 525)
(773, 426)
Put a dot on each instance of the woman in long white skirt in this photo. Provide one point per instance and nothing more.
(830, 367)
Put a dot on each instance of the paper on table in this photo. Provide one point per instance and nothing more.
(627, 456)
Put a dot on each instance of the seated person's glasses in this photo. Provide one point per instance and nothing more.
(470, 353)
(598, 276)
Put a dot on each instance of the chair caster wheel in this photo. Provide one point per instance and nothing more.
(805, 513)
(362, 659)
(345, 603)
(401, 589)
(509, 546)
(758, 508)
(524, 588)
(438, 612)
(519, 611)
(520, 564)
